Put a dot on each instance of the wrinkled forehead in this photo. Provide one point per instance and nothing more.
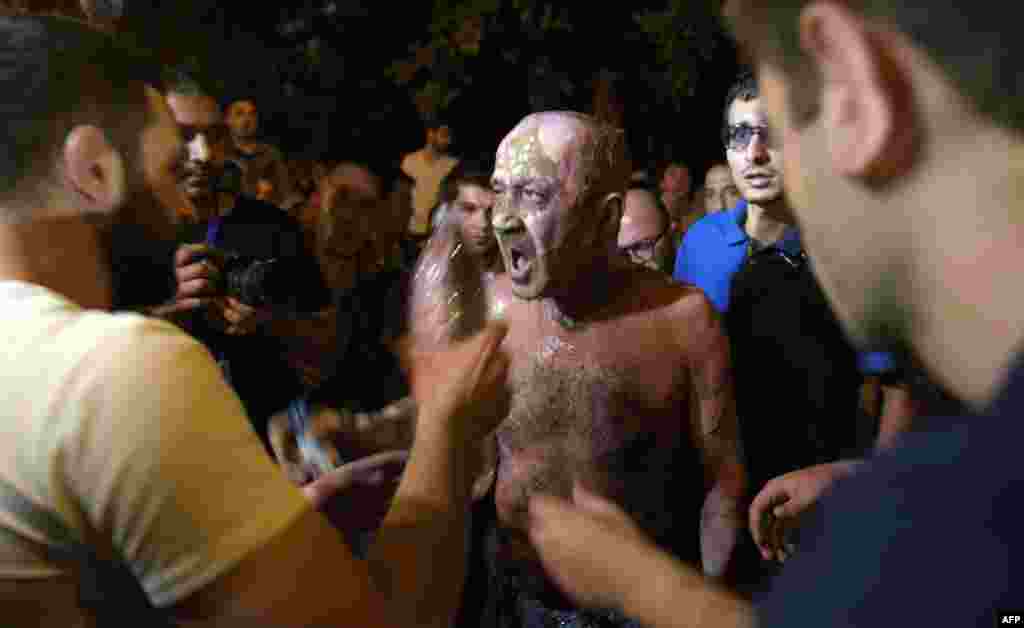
(543, 147)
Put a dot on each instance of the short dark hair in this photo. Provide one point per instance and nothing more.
(57, 73)
(469, 171)
(744, 89)
(984, 61)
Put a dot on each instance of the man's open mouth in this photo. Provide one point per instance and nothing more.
(519, 257)
(759, 179)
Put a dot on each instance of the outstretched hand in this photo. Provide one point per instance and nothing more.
(465, 383)
(590, 547)
(774, 514)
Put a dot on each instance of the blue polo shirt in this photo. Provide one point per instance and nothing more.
(715, 247)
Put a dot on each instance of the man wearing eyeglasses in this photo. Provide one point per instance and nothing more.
(786, 342)
(644, 230)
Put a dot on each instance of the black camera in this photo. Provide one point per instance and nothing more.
(258, 282)
(254, 281)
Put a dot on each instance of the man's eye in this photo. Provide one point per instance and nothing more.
(533, 195)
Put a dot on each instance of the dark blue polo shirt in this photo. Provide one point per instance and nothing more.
(713, 250)
(928, 534)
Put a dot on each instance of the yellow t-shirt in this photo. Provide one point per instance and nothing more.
(123, 427)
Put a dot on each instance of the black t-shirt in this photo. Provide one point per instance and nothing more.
(797, 380)
(258, 372)
(927, 534)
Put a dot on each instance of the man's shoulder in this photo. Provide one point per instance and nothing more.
(133, 337)
(658, 293)
(710, 227)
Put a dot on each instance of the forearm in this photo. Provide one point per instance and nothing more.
(722, 522)
(412, 558)
(391, 427)
(676, 596)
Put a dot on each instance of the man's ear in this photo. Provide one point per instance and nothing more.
(612, 207)
(867, 109)
(94, 172)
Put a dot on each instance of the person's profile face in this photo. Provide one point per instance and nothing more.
(205, 139)
(146, 219)
(472, 208)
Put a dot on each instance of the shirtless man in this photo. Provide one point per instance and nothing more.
(619, 378)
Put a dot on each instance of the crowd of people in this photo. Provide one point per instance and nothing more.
(545, 386)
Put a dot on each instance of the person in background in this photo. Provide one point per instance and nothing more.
(132, 487)
(645, 231)
(675, 186)
(247, 337)
(259, 160)
(428, 166)
(719, 192)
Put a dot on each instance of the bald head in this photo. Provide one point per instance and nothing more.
(559, 178)
(642, 233)
(583, 154)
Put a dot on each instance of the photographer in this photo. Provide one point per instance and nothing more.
(246, 285)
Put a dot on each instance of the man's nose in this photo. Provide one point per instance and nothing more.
(505, 219)
(757, 150)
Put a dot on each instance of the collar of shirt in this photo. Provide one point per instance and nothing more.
(735, 235)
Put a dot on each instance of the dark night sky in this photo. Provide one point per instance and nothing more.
(242, 42)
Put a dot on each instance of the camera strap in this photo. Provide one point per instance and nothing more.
(213, 237)
(213, 231)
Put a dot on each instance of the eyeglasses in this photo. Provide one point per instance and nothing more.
(643, 250)
(739, 136)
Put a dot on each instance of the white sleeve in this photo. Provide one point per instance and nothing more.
(167, 467)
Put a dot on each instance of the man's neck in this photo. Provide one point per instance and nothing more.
(968, 323)
(763, 225)
(589, 293)
(62, 254)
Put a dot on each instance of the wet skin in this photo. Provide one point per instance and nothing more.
(606, 400)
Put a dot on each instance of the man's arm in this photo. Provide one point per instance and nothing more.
(714, 409)
(407, 579)
(673, 595)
